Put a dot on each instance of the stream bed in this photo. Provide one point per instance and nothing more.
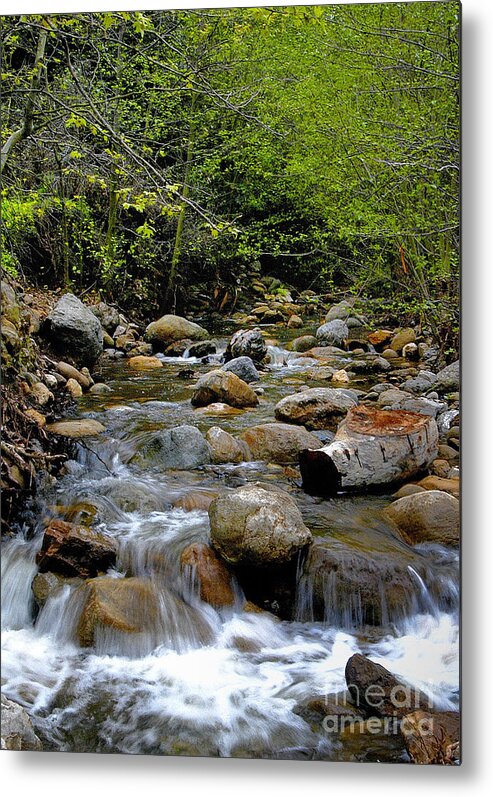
(209, 682)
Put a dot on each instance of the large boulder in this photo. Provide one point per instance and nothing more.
(108, 316)
(75, 550)
(181, 448)
(371, 447)
(170, 328)
(278, 442)
(402, 338)
(226, 448)
(208, 574)
(448, 379)
(316, 408)
(378, 692)
(256, 526)
(432, 516)
(244, 368)
(221, 386)
(73, 330)
(247, 343)
(17, 728)
(333, 333)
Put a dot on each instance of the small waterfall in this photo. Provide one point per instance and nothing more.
(277, 357)
(18, 570)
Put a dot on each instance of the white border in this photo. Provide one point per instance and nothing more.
(76, 775)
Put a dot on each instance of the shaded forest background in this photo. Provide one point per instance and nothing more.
(162, 159)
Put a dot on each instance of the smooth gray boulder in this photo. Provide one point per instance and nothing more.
(244, 368)
(74, 330)
(255, 525)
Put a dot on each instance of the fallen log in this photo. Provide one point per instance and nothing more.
(370, 448)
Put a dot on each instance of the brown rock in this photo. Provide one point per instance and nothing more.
(432, 516)
(278, 442)
(74, 550)
(69, 372)
(226, 448)
(408, 489)
(375, 690)
(432, 737)
(142, 363)
(223, 386)
(295, 322)
(74, 388)
(401, 338)
(76, 429)
(214, 579)
(36, 416)
(41, 394)
(196, 500)
(380, 338)
(451, 486)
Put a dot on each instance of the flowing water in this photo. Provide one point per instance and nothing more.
(199, 681)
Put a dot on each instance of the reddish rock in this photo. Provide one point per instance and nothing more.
(214, 579)
(75, 551)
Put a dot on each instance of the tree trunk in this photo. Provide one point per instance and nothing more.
(371, 447)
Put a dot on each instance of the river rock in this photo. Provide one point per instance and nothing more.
(402, 337)
(419, 384)
(247, 343)
(339, 311)
(129, 605)
(10, 306)
(17, 728)
(380, 338)
(295, 322)
(333, 333)
(196, 500)
(448, 379)
(244, 368)
(450, 486)
(223, 386)
(75, 550)
(213, 577)
(371, 447)
(100, 389)
(72, 329)
(202, 348)
(352, 580)
(109, 317)
(226, 448)
(41, 394)
(76, 429)
(315, 408)
(432, 516)
(432, 737)
(374, 689)
(410, 351)
(278, 442)
(46, 585)
(181, 448)
(73, 387)
(170, 328)
(69, 372)
(143, 363)
(303, 343)
(256, 526)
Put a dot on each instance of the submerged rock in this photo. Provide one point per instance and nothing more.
(253, 525)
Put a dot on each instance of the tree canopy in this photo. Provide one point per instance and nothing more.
(159, 155)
